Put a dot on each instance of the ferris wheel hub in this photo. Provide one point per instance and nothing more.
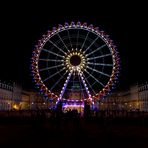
(75, 61)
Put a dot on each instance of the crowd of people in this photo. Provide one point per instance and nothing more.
(58, 113)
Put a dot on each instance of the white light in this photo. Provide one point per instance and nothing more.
(74, 105)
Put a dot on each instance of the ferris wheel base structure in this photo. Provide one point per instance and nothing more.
(74, 104)
(75, 57)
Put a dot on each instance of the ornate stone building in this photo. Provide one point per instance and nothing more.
(143, 96)
(33, 100)
(136, 98)
(10, 96)
(13, 97)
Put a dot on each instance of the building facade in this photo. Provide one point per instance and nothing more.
(136, 98)
(143, 96)
(10, 96)
(33, 100)
(117, 101)
(13, 97)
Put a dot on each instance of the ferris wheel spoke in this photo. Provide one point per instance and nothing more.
(57, 82)
(77, 39)
(105, 55)
(52, 53)
(94, 78)
(84, 41)
(94, 83)
(51, 60)
(62, 41)
(85, 86)
(69, 39)
(96, 50)
(57, 47)
(90, 45)
(65, 85)
(53, 74)
(105, 74)
(89, 84)
(81, 86)
(48, 68)
(100, 64)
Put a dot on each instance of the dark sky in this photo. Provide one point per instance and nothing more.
(22, 25)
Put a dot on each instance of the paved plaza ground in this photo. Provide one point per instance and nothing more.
(83, 133)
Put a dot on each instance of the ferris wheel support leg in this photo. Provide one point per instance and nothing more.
(64, 87)
(86, 88)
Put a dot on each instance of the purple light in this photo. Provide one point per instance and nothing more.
(75, 105)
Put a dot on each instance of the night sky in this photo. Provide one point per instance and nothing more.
(21, 26)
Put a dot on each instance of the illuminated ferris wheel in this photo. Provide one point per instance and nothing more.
(75, 62)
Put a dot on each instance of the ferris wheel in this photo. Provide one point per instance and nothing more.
(75, 62)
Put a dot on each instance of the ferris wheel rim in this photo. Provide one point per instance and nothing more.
(115, 70)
